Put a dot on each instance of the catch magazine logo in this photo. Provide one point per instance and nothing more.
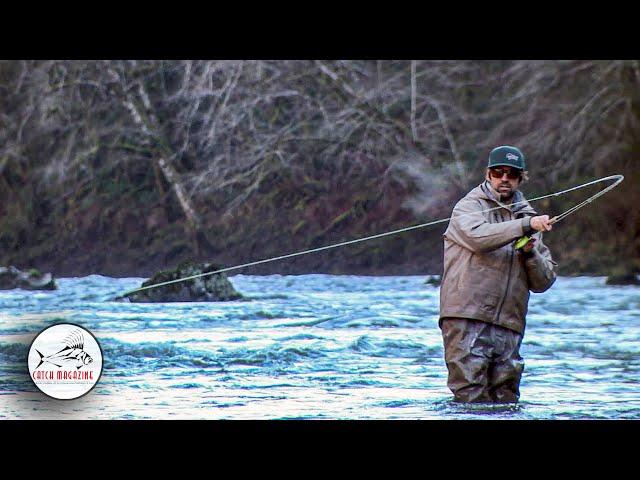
(65, 361)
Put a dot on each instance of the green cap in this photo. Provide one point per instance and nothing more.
(506, 155)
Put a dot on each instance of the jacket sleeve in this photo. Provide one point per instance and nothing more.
(540, 267)
(468, 227)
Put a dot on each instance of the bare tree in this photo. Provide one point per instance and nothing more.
(212, 138)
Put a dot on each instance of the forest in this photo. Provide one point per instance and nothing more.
(124, 167)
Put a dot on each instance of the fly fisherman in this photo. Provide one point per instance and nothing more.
(485, 284)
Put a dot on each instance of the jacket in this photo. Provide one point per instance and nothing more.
(484, 277)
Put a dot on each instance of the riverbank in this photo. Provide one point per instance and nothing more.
(100, 230)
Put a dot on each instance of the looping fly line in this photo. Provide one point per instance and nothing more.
(556, 219)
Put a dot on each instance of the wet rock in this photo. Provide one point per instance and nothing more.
(11, 277)
(434, 280)
(210, 288)
(623, 279)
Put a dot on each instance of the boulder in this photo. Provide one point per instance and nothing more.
(11, 277)
(210, 288)
(623, 279)
(434, 280)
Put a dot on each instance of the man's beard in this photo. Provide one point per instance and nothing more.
(505, 195)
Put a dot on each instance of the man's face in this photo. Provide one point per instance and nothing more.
(505, 180)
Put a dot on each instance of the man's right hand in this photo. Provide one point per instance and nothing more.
(541, 223)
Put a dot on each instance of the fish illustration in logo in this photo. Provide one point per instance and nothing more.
(72, 354)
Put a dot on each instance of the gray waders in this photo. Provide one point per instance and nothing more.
(483, 360)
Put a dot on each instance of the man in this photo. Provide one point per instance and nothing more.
(486, 282)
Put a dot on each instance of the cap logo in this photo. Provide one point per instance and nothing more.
(511, 156)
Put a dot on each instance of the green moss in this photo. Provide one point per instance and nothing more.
(298, 226)
(339, 219)
(34, 272)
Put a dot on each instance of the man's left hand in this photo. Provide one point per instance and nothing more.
(529, 245)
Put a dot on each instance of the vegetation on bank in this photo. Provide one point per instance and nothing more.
(126, 167)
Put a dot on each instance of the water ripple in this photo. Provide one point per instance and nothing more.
(320, 346)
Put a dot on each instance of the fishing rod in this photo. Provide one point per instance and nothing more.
(556, 219)
(521, 242)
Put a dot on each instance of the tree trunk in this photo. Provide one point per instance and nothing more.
(414, 130)
(146, 120)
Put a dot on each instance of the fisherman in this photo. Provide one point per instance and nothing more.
(486, 282)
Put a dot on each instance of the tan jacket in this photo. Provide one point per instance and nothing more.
(484, 277)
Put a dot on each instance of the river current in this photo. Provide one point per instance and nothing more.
(319, 346)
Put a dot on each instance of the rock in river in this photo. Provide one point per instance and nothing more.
(210, 288)
(623, 279)
(11, 277)
(434, 280)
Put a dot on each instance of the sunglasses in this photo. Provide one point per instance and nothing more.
(499, 172)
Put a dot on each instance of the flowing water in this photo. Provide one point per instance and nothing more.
(319, 346)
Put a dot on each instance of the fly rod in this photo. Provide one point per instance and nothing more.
(618, 179)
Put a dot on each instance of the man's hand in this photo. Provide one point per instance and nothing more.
(529, 245)
(541, 223)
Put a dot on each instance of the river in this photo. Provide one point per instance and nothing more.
(319, 346)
